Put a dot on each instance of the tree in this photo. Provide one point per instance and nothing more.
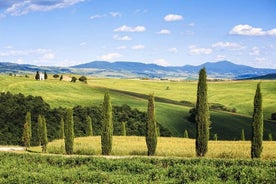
(44, 138)
(257, 124)
(186, 135)
(56, 76)
(202, 115)
(37, 75)
(242, 135)
(151, 133)
(29, 120)
(61, 129)
(215, 137)
(270, 138)
(26, 135)
(83, 79)
(45, 75)
(123, 128)
(107, 126)
(69, 132)
(39, 128)
(61, 77)
(74, 79)
(89, 131)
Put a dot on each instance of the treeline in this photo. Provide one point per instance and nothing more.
(14, 107)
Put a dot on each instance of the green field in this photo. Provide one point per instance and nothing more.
(169, 111)
(48, 169)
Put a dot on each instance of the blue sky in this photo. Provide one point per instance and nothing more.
(165, 32)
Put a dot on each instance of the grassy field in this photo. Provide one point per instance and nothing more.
(48, 169)
(172, 115)
(166, 147)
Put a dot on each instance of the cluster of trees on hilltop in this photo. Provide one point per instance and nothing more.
(13, 109)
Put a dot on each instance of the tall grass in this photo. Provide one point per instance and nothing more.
(166, 147)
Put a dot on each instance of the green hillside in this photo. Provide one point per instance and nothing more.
(170, 113)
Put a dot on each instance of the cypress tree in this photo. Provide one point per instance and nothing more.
(257, 125)
(29, 120)
(202, 115)
(151, 130)
(61, 129)
(69, 132)
(123, 128)
(107, 126)
(186, 135)
(44, 138)
(26, 135)
(242, 135)
(89, 131)
(39, 129)
(37, 76)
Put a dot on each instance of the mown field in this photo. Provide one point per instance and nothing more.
(170, 113)
(36, 168)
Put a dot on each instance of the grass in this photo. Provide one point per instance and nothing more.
(232, 94)
(166, 147)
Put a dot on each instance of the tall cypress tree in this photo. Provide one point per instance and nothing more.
(69, 132)
(28, 119)
(26, 135)
(107, 126)
(39, 128)
(61, 129)
(44, 138)
(89, 131)
(151, 130)
(202, 115)
(257, 125)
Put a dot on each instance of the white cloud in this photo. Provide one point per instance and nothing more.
(115, 14)
(255, 51)
(220, 57)
(15, 52)
(194, 50)
(97, 16)
(164, 31)
(173, 50)
(247, 30)
(227, 45)
(138, 47)
(122, 38)
(161, 62)
(260, 59)
(19, 7)
(110, 56)
(172, 17)
(125, 28)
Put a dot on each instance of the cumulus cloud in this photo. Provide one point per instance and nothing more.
(122, 47)
(110, 56)
(19, 7)
(125, 28)
(48, 56)
(164, 31)
(14, 52)
(227, 45)
(122, 38)
(194, 50)
(138, 47)
(173, 17)
(247, 30)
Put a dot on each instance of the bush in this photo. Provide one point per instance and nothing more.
(83, 79)
(56, 76)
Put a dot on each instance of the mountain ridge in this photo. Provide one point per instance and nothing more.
(128, 69)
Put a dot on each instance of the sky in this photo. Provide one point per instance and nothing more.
(164, 32)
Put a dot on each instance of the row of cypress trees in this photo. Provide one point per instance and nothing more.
(203, 119)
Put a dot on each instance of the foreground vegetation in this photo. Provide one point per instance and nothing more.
(33, 168)
(166, 146)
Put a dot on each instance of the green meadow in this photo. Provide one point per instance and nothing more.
(169, 111)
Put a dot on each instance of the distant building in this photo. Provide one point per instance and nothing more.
(41, 76)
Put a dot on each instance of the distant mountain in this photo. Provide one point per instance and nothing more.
(123, 69)
(264, 77)
(221, 69)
